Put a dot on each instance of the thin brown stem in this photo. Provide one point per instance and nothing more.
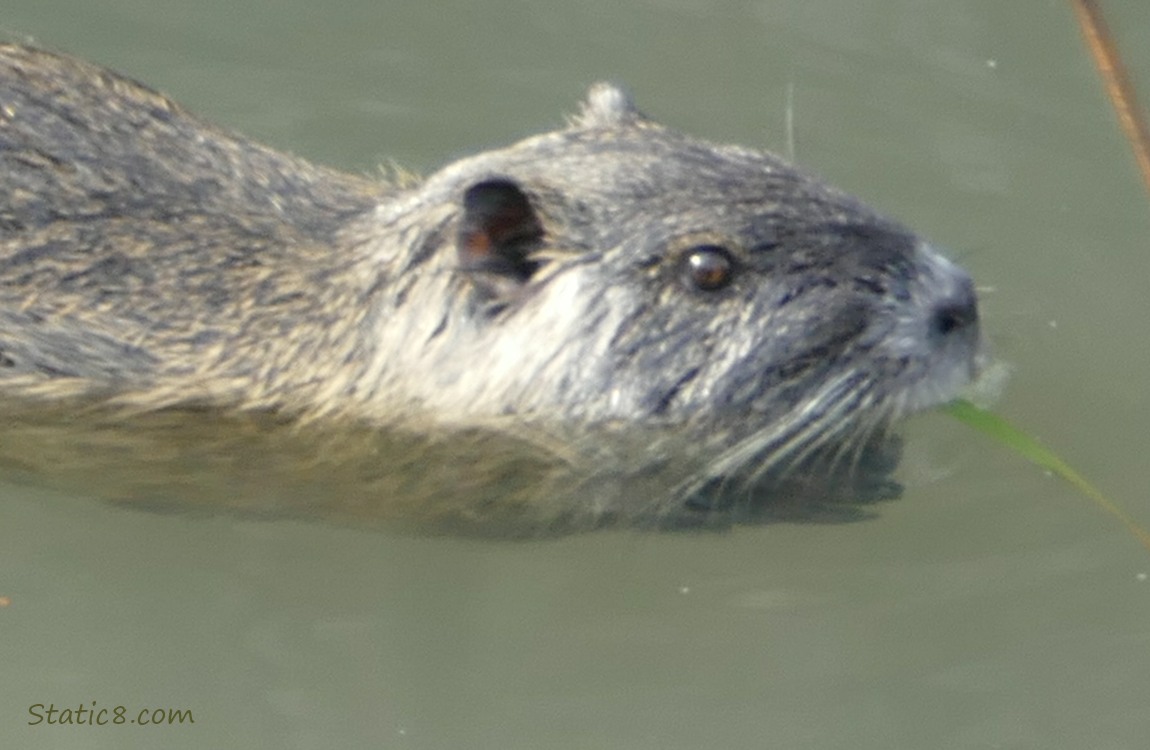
(1118, 85)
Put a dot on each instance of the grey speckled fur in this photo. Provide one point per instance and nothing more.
(154, 260)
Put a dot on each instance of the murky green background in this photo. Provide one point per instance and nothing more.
(990, 607)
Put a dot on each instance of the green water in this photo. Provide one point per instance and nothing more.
(989, 607)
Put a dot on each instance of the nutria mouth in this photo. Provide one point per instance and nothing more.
(610, 276)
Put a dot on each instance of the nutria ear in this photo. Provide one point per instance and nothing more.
(497, 233)
(607, 105)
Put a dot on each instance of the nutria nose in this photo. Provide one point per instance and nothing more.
(956, 312)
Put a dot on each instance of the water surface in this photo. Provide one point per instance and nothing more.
(989, 607)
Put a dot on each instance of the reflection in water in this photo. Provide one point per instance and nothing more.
(474, 481)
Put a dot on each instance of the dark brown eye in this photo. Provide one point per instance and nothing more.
(708, 268)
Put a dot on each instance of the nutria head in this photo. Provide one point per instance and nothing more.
(618, 272)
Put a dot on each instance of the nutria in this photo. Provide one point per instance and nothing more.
(613, 277)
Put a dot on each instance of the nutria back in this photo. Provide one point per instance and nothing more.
(612, 283)
(135, 239)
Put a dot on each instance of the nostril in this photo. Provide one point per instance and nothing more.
(951, 318)
(956, 314)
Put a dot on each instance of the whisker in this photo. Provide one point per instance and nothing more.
(772, 445)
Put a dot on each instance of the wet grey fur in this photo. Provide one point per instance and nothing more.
(154, 260)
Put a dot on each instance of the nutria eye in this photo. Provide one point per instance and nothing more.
(708, 267)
